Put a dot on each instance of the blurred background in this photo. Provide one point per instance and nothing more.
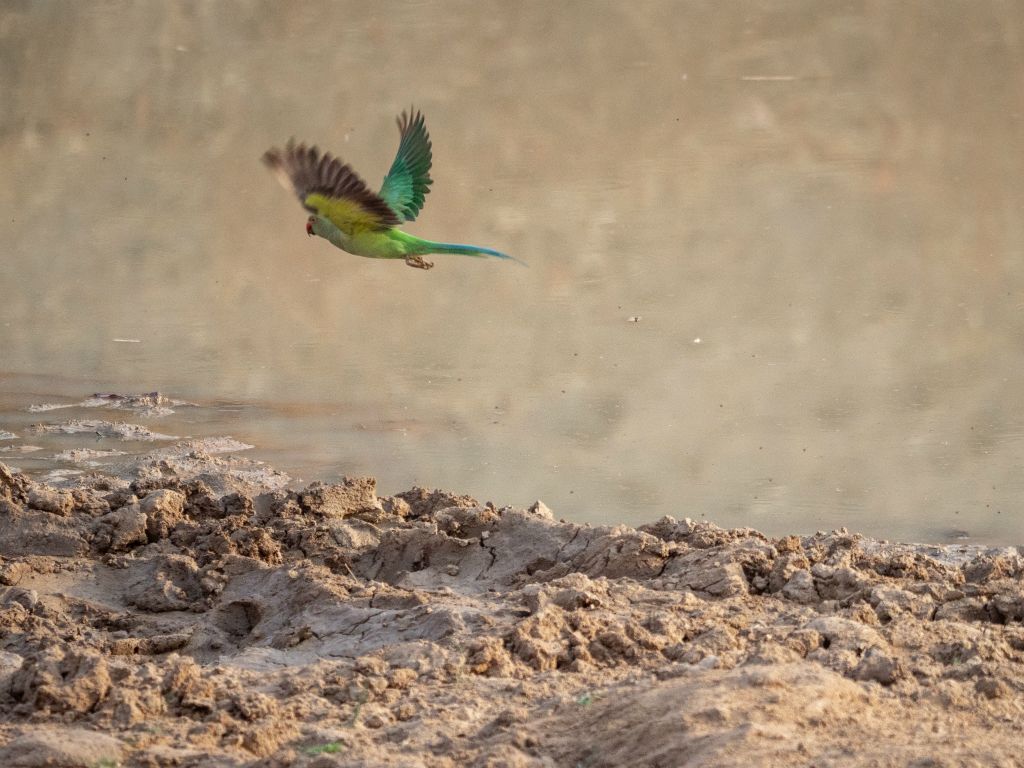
(775, 249)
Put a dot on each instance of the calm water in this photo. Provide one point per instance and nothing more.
(814, 209)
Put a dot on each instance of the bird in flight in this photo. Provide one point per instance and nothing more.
(357, 220)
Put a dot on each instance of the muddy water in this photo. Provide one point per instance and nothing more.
(775, 251)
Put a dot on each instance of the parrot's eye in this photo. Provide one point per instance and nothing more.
(309, 226)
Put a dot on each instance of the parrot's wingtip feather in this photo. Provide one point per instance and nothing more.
(274, 159)
(271, 158)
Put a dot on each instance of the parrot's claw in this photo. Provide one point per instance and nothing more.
(419, 262)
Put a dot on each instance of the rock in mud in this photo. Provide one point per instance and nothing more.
(49, 500)
(164, 509)
(120, 530)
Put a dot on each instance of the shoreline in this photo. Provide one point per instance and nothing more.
(192, 613)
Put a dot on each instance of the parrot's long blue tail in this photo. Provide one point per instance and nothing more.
(467, 250)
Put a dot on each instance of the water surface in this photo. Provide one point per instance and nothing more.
(775, 249)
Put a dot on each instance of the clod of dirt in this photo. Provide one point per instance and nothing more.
(48, 747)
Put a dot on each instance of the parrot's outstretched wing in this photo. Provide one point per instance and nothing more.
(330, 188)
(408, 181)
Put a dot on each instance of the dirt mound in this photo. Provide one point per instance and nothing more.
(183, 618)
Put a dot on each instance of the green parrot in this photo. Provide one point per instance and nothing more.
(359, 221)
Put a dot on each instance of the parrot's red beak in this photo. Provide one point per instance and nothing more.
(309, 227)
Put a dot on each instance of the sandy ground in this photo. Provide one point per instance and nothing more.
(189, 609)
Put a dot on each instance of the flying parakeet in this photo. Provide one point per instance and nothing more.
(359, 221)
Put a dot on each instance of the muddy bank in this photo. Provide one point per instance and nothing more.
(187, 612)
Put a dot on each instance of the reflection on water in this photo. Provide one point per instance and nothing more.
(814, 209)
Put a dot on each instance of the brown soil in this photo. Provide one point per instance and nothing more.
(156, 621)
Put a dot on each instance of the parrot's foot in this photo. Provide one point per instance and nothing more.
(419, 262)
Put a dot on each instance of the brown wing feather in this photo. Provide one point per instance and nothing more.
(305, 171)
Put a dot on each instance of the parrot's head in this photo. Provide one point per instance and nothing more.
(309, 225)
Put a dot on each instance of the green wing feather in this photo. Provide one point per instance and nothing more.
(330, 188)
(408, 181)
